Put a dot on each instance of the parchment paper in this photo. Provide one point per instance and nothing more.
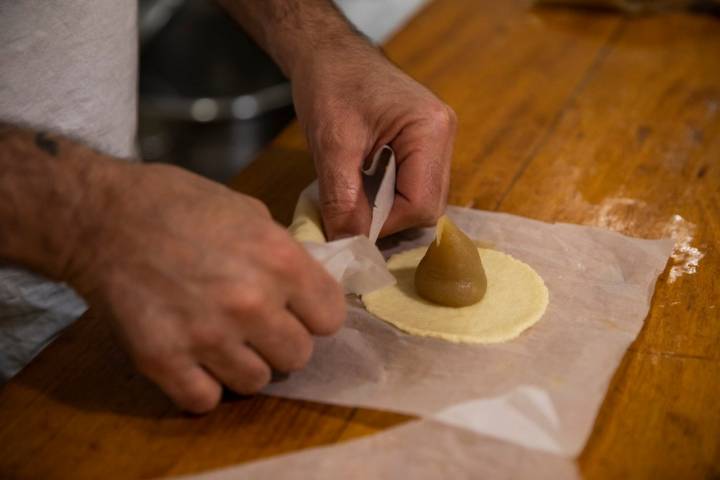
(418, 450)
(540, 391)
(521, 409)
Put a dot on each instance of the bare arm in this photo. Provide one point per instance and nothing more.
(201, 284)
(46, 181)
(292, 31)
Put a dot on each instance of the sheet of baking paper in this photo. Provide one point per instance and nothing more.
(355, 262)
(540, 391)
(418, 450)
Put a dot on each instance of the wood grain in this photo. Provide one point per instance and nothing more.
(582, 117)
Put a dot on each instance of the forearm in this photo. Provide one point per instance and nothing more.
(292, 31)
(45, 198)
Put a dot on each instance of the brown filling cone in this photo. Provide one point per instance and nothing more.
(451, 272)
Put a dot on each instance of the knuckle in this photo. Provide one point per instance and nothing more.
(287, 345)
(206, 336)
(330, 139)
(331, 323)
(301, 353)
(254, 379)
(443, 117)
(270, 325)
(196, 399)
(286, 257)
(334, 207)
(249, 301)
(336, 311)
(339, 140)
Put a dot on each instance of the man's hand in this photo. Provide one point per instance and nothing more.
(202, 285)
(351, 100)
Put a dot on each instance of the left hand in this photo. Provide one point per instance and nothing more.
(351, 101)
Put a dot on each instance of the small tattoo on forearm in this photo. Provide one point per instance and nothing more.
(46, 144)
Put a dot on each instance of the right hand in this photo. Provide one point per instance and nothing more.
(203, 287)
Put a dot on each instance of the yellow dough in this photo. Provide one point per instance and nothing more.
(307, 225)
(516, 298)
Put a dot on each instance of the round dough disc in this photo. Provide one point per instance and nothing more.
(515, 299)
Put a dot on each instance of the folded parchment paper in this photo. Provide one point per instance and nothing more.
(540, 391)
(354, 262)
(521, 409)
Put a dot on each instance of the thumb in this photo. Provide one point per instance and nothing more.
(343, 204)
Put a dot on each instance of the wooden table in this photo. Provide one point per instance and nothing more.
(592, 118)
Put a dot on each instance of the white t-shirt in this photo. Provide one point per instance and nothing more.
(68, 67)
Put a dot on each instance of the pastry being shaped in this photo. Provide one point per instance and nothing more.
(514, 296)
(515, 299)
